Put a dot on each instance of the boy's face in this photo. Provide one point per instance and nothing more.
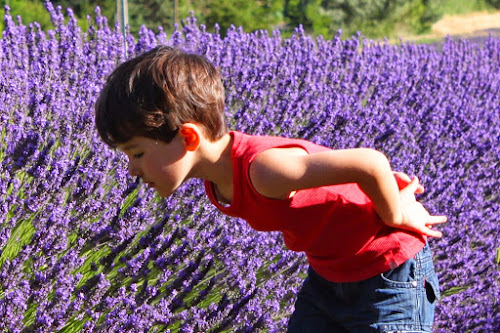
(160, 165)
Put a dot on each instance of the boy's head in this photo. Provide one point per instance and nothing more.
(153, 94)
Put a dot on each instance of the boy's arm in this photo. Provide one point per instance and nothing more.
(277, 172)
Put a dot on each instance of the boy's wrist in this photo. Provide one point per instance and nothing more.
(394, 220)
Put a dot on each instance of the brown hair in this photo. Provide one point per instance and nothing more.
(153, 94)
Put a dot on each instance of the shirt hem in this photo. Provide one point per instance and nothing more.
(370, 271)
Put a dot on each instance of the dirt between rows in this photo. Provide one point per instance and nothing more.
(475, 27)
(470, 24)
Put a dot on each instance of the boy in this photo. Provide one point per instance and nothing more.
(364, 236)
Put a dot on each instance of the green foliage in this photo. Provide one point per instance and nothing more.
(28, 10)
(82, 8)
(296, 12)
(374, 18)
(151, 13)
(35, 11)
(432, 12)
(494, 3)
(454, 7)
(251, 15)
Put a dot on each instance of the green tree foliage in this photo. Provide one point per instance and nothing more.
(154, 13)
(28, 10)
(252, 15)
(375, 18)
(494, 3)
(82, 8)
(151, 13)
(295, 13)
(35, 11)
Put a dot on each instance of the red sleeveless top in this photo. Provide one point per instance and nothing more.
(336, 226)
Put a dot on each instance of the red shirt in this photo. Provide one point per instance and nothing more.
(336, 226)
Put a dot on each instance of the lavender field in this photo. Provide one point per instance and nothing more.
(86, 248)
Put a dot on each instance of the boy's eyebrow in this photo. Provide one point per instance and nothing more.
(128, 146)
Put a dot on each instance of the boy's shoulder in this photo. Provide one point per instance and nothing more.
(248, 144)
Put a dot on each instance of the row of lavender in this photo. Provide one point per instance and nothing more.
(86, 248)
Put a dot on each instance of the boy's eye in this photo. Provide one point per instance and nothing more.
(137, 155)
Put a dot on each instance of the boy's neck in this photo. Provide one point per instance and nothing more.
(215, 165)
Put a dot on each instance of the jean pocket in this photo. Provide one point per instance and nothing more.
(432, 287)
(402, 276)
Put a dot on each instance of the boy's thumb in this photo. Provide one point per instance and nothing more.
(414, 184)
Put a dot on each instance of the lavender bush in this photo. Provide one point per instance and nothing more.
(84, 247)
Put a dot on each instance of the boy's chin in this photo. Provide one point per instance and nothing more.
(163, 194)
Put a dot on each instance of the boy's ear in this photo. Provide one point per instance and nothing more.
(190, 136)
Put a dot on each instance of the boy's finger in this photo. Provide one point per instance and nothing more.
(427, 230)
(420, 189)
(433, 233)
(402, 177)
(403, 180)
(413, 186)
(437, 219)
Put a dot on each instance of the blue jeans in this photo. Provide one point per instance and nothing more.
(399, 300)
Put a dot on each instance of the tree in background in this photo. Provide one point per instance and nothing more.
(34, 10)
(151, 13)
(30, 11)
(82, 8)
(251, 15)
(375, 18)
(494, 3)
(294, 12)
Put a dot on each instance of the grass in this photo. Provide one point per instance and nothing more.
(460, 7)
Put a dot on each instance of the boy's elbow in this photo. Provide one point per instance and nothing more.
(377, 160)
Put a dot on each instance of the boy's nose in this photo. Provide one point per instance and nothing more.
(133, 170)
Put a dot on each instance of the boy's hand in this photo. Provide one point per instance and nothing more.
(415, 216)
(404, 180)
